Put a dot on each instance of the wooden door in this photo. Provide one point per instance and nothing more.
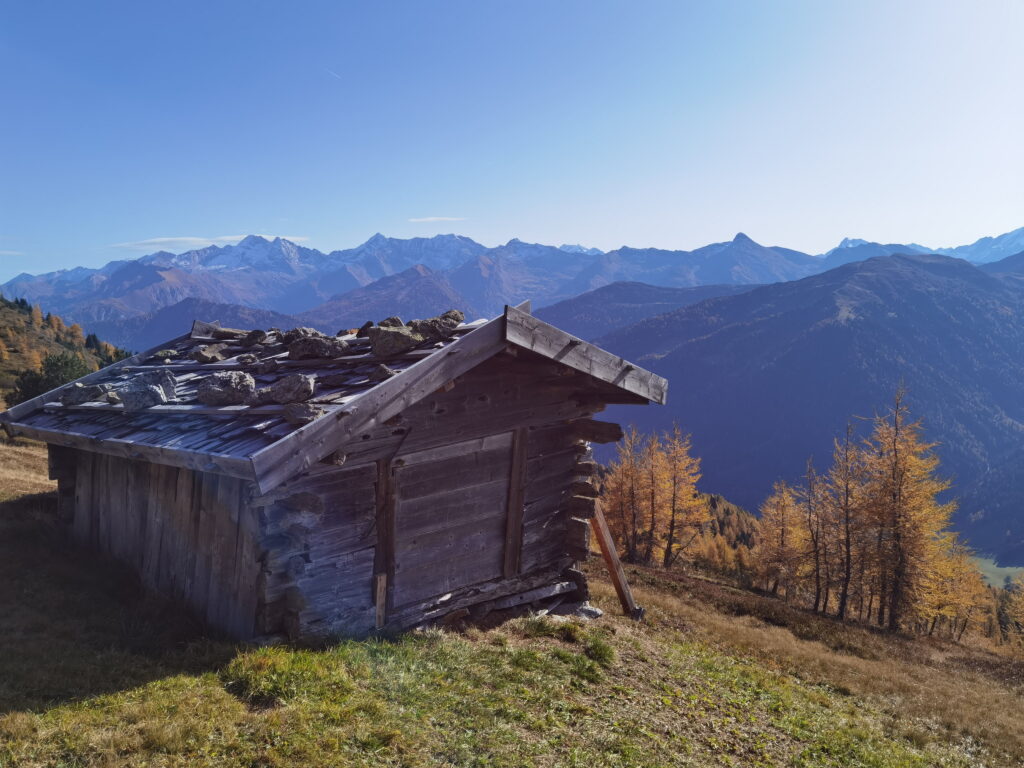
(450, 517)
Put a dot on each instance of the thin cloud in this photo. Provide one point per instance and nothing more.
(429, 219)
(11, 253)
(332, 73)
(188, 243)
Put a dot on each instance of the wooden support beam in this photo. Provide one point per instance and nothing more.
(597, 431)
(611, 559)
(583, 507)
(581, 488)
(577, 539)
(516, 491)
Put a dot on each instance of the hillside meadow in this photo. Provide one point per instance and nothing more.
(95, 673)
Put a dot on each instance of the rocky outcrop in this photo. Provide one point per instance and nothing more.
(389, 341)
(78, 393)
(210, 353)
(293, 388)
(312, 347)
(146, 390)
(391, 337)
(226, 388)
(300, 414)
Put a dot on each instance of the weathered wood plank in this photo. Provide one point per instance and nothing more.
(380, 598)
(454, 474)
(185, 408)
(516, 498)
(310, 443)
(384, 556)
(577, 538)
(433, 608)
(455, 450)
(530, 333)
(483, 501)
(84, 511)
(597, 431)
(233, 466)
(611, 559)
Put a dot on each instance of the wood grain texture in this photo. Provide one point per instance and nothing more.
(530, 333)
(516, 499)
(611, 559)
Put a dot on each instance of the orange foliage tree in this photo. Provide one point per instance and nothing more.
(650, 495)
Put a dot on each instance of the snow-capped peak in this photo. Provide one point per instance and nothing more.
(851, 242)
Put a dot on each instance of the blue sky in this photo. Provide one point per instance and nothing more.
(670, 124)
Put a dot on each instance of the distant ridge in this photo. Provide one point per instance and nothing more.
(766, 378)
(282, 276)
(618, 305)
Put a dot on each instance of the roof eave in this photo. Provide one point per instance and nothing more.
(526, 331)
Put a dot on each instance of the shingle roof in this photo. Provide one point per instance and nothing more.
(256, 441)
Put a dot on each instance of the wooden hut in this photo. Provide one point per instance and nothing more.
(290, 483)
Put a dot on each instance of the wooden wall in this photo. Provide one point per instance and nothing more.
(319, 536)
(461, 525)
(190, 535)
(449, 458)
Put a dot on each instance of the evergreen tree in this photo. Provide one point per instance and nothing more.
(56, 370)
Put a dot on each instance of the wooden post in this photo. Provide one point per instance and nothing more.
(611, 559)
(384, 556)
(514, 519)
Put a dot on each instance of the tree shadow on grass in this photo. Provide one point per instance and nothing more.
(74, 625)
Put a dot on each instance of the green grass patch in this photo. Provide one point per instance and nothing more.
(95, 673)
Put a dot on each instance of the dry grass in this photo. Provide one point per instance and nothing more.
(23, 469)
(95, 673)
(962, 690)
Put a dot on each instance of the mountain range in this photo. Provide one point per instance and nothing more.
(284, 277)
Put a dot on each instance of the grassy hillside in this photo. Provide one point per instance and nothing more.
(92, 672)
(28, 336)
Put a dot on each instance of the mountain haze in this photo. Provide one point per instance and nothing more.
(767, 378)
(284, 277)
(618, 305)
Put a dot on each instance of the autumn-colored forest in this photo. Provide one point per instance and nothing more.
(39, 351)
(866, 540)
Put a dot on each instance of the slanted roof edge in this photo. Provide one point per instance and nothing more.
(528, 332)
(233, 466)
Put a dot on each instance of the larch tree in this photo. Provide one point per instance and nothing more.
(902, 469)
(623, 491)
(780, 549)
(686, 512)
(842, 497)
(655, 480)
(812, 505)
(75, 335)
